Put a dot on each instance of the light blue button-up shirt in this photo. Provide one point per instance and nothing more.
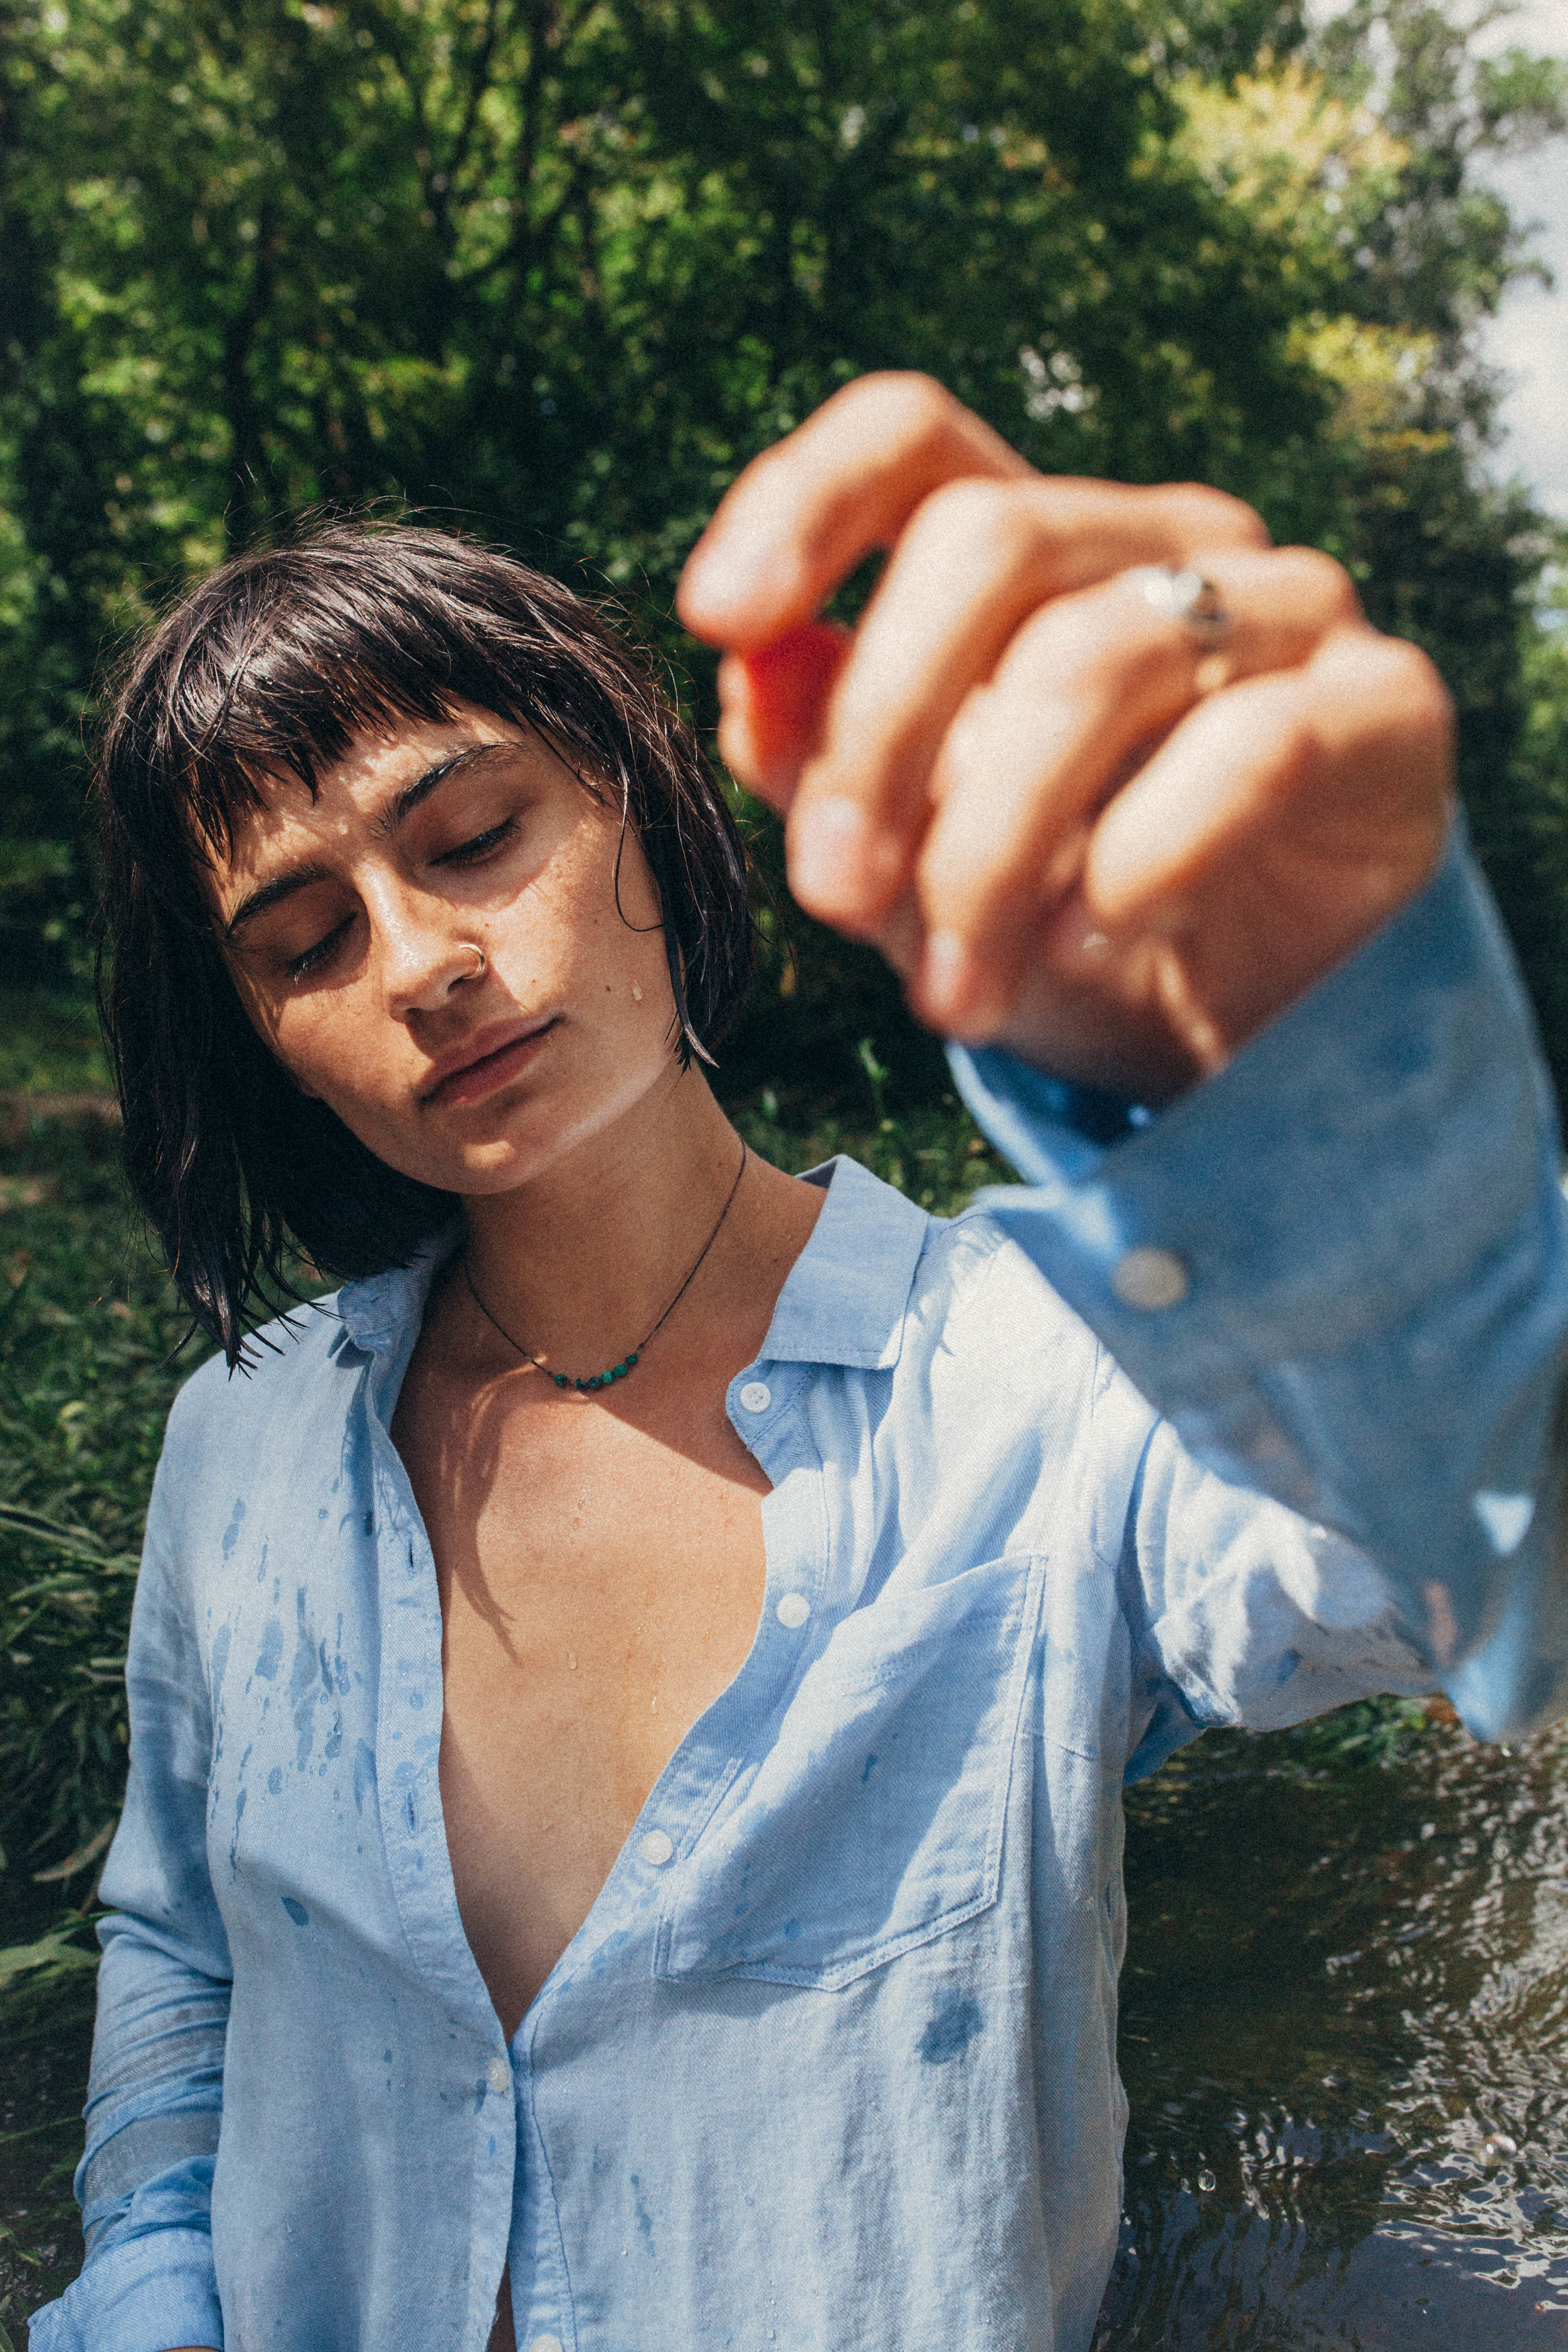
(1230, 1420)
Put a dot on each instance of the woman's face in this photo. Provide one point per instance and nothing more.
(350, 923)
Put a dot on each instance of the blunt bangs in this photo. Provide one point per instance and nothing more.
(271, 668)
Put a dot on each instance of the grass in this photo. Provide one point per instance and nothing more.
(49, 1043)
(87, 1326)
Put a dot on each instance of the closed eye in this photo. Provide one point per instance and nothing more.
(472, 852)
(298, 967)
(467, 853)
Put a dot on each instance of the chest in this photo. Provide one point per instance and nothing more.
(600, 1581)
(595, 1581)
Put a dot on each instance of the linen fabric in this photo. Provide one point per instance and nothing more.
(830, 2066)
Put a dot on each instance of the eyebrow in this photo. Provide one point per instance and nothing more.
(299, 877)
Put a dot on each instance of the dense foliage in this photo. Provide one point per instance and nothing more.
(558, 268)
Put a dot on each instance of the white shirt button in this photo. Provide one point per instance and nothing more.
(657, 1848)
(757, 1396)
(793, 1610)
(1151, 1279)
(499, 2077)
(544, 2344)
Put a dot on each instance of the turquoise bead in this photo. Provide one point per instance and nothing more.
(595, 1379)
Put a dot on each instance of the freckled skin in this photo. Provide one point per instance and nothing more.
(600, 1558)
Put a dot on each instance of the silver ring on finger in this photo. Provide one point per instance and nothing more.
(1185, 599)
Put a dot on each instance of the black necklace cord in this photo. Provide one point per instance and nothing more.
(616, 1371)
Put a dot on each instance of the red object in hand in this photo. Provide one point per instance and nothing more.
(773, 702)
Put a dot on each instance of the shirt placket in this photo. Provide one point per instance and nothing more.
(626, 1912)
(407, 1743)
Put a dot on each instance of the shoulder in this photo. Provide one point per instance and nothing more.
(964, 1286)
(990, 1294)
(293, 1363)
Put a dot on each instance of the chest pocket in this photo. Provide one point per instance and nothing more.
(875, 1821)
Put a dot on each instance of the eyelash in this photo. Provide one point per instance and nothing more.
(472, 852)
(468, 853)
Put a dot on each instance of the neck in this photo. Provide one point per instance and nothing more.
(576, 1264)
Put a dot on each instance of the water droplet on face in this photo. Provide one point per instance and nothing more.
(1205, 2181)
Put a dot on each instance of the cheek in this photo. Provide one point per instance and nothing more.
(328, 1050)
(584, 924)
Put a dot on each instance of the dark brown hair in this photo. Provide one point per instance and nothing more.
(273, 666)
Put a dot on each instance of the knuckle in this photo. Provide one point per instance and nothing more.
(975, 511)
(902, 403)
(1329, 584)
(1096, 645)
(1205, 517)
(1406, 680)
(1422, 681)
(1265, 726)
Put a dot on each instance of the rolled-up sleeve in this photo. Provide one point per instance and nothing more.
(156, 2093)
(1339, 1270)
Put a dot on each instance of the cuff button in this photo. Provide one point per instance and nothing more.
(1151, 1279)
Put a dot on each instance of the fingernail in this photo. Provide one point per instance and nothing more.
(830, 853)
(946, 977)
(719, 579)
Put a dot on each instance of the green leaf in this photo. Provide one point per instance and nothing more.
(54, 1951)
(79, 1858)
(76, 1543)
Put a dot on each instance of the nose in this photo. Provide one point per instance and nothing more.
(424, 962)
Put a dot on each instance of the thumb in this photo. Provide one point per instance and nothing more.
(772, 702)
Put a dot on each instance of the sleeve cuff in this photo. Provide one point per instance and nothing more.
(150, 2295)
(1361, 1154)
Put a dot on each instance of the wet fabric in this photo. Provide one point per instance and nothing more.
(1224, 1416)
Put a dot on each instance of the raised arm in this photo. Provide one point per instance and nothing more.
(1148, 815)
(155, 2095)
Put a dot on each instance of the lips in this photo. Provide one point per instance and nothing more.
(489, 1060)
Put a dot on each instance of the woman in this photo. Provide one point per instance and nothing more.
(630, 1699)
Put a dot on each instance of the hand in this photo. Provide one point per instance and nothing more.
(1071, 828)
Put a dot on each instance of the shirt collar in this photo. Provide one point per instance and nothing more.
(843, 1298)
(843, 1301)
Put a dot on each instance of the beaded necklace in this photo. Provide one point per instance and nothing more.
(616, 1371)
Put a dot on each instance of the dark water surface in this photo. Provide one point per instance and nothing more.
(1344, 2036)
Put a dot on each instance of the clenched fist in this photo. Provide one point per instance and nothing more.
(1108, 778)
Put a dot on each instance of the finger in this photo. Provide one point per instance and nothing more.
(1084, 689)
(802, 516)
(771, 704)
(1349, 761)
(976, 558)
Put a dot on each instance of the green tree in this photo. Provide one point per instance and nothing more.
(557, 270)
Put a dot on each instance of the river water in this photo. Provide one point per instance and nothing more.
(1344, 2037)
(1345, 2040)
